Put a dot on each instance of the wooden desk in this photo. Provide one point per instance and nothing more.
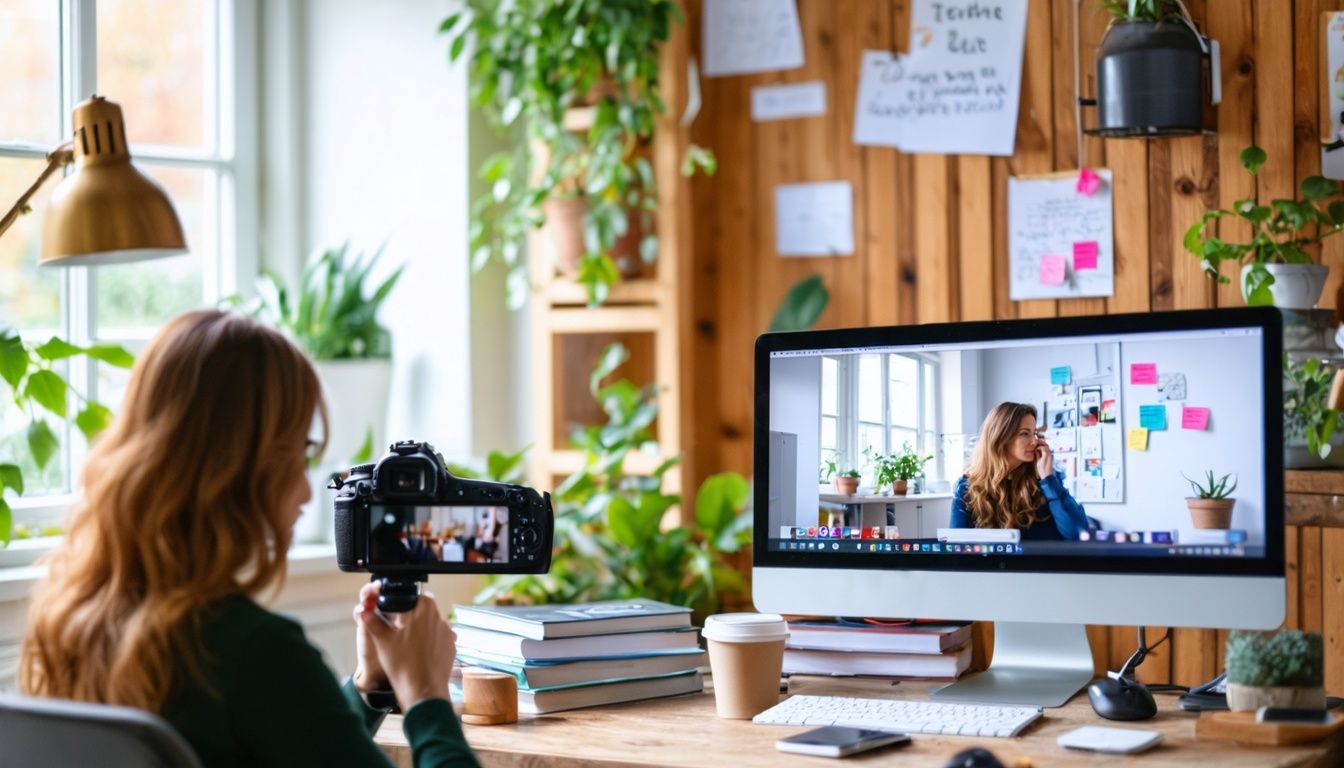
(683, 731)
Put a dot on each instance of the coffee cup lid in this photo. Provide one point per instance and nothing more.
(745, 627)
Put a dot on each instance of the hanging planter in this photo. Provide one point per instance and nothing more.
(1154, 73)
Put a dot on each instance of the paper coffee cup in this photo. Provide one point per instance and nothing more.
(746, 655)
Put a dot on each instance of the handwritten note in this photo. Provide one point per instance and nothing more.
(742, 36)
(1054, 269)
(1046, 216)
(783, 102)
(814, 219)
(1194, 418)
(956, 91)
(1153, 416)
(1061, 375)
(1138, 438)
(1143, 373)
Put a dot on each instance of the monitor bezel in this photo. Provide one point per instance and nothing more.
(1267, 319)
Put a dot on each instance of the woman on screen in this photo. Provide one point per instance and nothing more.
(185, 520)
(1012, 481)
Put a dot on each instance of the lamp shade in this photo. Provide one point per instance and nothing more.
(107, 212)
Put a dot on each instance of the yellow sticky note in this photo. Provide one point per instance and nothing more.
(1138, 438)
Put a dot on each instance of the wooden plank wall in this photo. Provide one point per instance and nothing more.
(930, 229)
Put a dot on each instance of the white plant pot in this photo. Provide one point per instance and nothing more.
(356, 392)
(1248, 698)
(1296, 286)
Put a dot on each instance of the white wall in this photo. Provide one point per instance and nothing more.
(795, 407)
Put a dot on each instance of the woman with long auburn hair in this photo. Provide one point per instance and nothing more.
(1012, 481)
(187, 513)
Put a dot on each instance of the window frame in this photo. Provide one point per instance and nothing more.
(849, 426)
(234, 192)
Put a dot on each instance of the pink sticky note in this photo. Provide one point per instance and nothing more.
(1143, 373)
(1053, 268)
(1194, 418)
(1088, 182)
(1085, 255)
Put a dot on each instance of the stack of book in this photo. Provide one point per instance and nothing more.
(854, 647)
(583, 655)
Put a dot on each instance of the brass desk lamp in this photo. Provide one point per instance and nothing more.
(106, 212)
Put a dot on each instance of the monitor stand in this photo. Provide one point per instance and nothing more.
(1039, 665)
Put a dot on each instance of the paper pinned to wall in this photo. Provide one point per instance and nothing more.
(1138, 438)
(1332, 120)
(743, 36)
(1153, 416)
(1090, 442)
(1195, 418)
(1171, 386)
(789, 100)
(1046, 218)
(814, 219)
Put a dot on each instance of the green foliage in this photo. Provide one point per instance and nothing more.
(531, 61)
(803, 304)
(906, 465)
(1141, 10)
(851, 472)
(1287, 658)
(37, 387)
(1281, 231)
(610, 541)
(331, 314)
(1305, 411)
(1211, 488)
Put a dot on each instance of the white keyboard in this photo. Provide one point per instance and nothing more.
(900, 715)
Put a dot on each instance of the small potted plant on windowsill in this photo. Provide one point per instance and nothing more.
(1275, 669)
(1276, 267)
(847, 481)
(1211, 506)
(899, 469)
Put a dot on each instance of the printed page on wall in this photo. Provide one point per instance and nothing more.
(744, 36)
(1060, 243)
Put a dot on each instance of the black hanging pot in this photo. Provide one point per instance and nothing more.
(1150, 80)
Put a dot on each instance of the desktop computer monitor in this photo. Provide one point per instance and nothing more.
(1128, 409)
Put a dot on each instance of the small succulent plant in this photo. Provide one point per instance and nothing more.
(1290, 658)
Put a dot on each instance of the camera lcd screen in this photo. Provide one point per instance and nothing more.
(408, 535)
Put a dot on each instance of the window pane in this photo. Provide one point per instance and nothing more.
(153, 60)
(14, 448)
(930, 397)
(828, 432)
(30, 296)
(904, 392)
(899, 438)
(134, 299)
(870, 388)
(930, 448)
(112, 380)
(870, 436)
(829, 384)
(30, 39)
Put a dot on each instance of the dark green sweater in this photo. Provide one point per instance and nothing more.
(277, 704)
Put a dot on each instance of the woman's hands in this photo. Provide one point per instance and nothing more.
(1045, 460)
(412, 651)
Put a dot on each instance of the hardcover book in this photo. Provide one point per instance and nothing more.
(543, 622)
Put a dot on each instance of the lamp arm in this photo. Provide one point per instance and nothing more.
(56, 158)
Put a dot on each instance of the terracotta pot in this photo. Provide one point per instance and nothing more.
(1248, 698)
(564, 221)
(847, 485)
(900, 487)
(1211, 513)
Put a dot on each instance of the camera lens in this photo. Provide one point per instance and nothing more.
(407, 479)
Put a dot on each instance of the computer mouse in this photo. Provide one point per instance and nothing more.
(1116, 700)
(975, 757)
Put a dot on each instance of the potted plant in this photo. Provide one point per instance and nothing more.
(531, 63)
(333, 315)
(1150, 71)
(36, 382)
(847, 481)
(899, 469)
(1311, 428)
(1277, 269)
(1275, 669)
(1211, 506)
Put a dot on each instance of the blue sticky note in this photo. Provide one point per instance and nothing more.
(1061, 375)
(1153, 416)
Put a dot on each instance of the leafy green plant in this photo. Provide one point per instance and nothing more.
(331, 314)
(609, 537)
(906, 465)
(1141, 10)
(1268, 659)
(40, 391)
(803, 304)
(851, 472)
(1305, 409)
(1281, 231)
(531, 61)
(1211, 488)
(828, 470)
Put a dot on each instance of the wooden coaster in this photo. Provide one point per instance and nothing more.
(1241, 727)
(489, 697)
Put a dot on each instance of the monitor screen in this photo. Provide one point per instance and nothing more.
(1060, 444)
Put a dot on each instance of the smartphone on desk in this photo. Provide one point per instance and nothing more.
(839, 741)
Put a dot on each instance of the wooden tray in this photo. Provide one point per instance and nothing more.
(1241, 727)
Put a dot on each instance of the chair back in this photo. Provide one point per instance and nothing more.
(59, 733)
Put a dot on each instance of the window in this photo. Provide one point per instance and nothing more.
(894, 401)
(172, 67)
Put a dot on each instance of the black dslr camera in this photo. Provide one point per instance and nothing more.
(407, 517)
